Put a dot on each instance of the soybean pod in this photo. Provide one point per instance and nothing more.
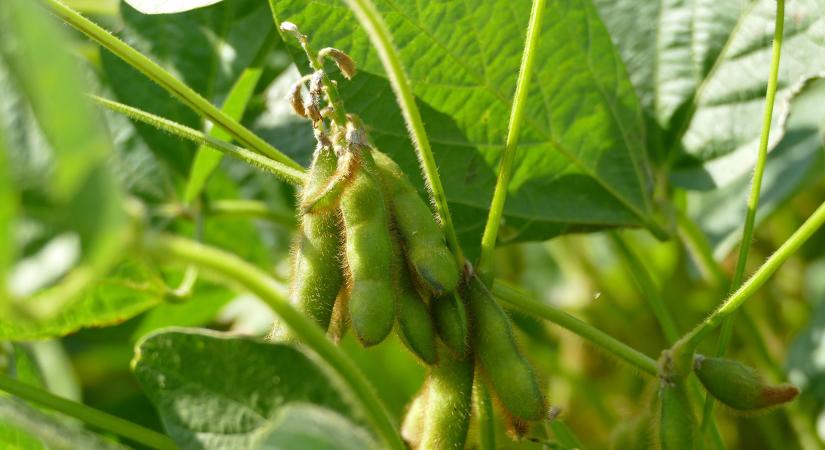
(422, 235)
(414, 322)
(449, 392)
(368, 251)
(450, 317)
(317, 277)
(677, 426)
(509, 373)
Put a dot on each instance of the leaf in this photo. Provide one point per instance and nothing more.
(206, 48)
(76, 192)
(168, 6)
(797, 160)
(131, 289)
(8, 213)
(311, 427)
(214, 391)
(235, 105)
(581, 163)
(49, 76)
(25, 428)
(703, 78)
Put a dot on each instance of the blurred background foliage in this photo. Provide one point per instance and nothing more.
(582, 274)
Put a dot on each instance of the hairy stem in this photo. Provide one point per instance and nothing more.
(517, 298)
(282, 171)
(91, 416)
(690, 341)
(756, 186)
(260, 284)
(167, 81)
(505, 171)
(380, 37)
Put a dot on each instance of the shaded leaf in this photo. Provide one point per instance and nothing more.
(215, 391)
(206, 48)
(797, 159)
(581, 162)
(311, 427)
(129, 290)
(25, 428)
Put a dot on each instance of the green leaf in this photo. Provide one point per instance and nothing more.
(8, 213)
(796, 160)
(131, 289)
(207, 159)
(168, 6)
(219, 43)
(701, 70)
(311, 427)
(581, 162)
(25, 428)
(214, 391)
(51, 80)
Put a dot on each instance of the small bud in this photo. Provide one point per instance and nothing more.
(341, 59)
(739, 386)
(290, 27)
(296, 100)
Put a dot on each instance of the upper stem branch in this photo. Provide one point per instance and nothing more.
(91, 416)
(488, 239)
(167, 81)
(260, 284)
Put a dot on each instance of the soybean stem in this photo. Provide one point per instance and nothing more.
(756, 185)
(379, 35)
(286, 173)
(89, 415)
(260, 284)
(488, 239)
(517, 298)
(167, 81)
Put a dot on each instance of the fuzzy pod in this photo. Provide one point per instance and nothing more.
(317, 277)
(415, 325)
(450, 317)
(677, 426)
(449, 387)
(422, 235)
(413, 426)
(494, 344)
(368, 253)
(740, 387)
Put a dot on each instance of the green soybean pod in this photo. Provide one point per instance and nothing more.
(413, 426)
(740, 387)
(449, 388)
(317, 276)
(677, 427)
(423, 236)
(509, 373)
(450, 317)
(368, 252)
(416, 327)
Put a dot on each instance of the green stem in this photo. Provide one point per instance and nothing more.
(380, 37)
(167, 81)
(282, 171)
(488, 239)
(91, 416)
(517, 298)
(647, 287)
(260, 284)
(339, 113)
(208, 160)
(756, 186)
(690, 342)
